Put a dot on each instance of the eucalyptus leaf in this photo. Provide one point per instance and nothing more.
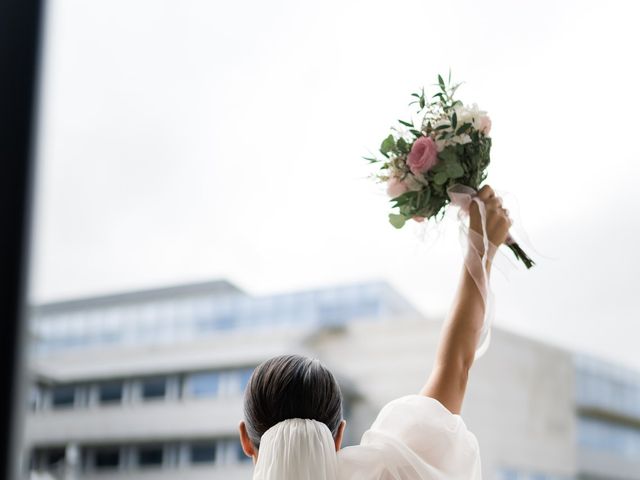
(388, 144)
(440, 178)
(448, 155)
(402, 145)
(396, 220)
(454, 170)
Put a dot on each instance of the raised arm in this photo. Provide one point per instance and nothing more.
(459, 337)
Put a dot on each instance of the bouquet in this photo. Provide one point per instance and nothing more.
(437, 158)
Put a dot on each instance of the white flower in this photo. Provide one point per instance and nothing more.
(470, 114)
(461, 139)
(441, 121)
(415, 182)
(441, 145)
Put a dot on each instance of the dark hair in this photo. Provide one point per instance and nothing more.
(291, 386)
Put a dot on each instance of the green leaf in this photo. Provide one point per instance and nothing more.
(441, 82)
(417, 133)
(371, 159)
(422, 102)
(440, 178)
(406, 124)
(441, 127)
(405, 211)
(403, 146)
(396, 220)
(387, 145)
(402, 199)
(454, 170)
(463, 128)
(448, 155)
(423, 198)
(454, 120)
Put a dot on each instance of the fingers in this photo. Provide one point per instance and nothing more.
(489, 197)
(485, 193)
(505, 214)
(494, 202)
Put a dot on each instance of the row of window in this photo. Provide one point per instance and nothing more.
(601, 386)
(606, 436)
(203, 384)
(174, 320)
(129, 457)
(514, 474)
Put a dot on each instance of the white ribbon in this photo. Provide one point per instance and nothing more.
(475, 257)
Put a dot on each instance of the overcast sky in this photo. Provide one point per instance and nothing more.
(191, 140)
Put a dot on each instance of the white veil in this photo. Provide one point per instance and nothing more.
(297, 449)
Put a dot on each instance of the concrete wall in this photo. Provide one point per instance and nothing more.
(519, 401)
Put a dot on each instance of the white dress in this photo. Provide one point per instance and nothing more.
(413, 438)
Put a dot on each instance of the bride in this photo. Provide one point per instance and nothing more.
(293, 423)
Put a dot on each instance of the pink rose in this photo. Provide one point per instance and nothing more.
(418, 218)
(396, 187)
(423, 155)
(485, 125)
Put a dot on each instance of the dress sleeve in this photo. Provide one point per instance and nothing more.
(413, 438)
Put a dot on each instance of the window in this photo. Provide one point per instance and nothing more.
(55, 457)
(205, 384)
(107, 458)
(203, 452)
(602, 435)
(110, 392)
(154, 388)
(507, 474)
(63, 396)
(150, 456)
(245, 375)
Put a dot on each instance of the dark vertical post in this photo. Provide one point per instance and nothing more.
(20, 22)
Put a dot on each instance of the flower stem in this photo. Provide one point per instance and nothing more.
(520, 255)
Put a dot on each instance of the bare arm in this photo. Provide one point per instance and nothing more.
(459, 337)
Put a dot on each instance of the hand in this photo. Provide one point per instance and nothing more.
(497, 218)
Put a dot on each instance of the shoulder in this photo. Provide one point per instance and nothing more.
(418, 433)
(411, 409)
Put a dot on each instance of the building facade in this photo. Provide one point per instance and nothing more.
(149, 384)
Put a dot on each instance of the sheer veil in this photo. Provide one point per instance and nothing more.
(297, 449)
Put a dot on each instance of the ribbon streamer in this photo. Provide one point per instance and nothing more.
(478, 251)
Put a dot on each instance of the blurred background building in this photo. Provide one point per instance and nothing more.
(149, 384)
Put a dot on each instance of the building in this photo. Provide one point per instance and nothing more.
(149, 384)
